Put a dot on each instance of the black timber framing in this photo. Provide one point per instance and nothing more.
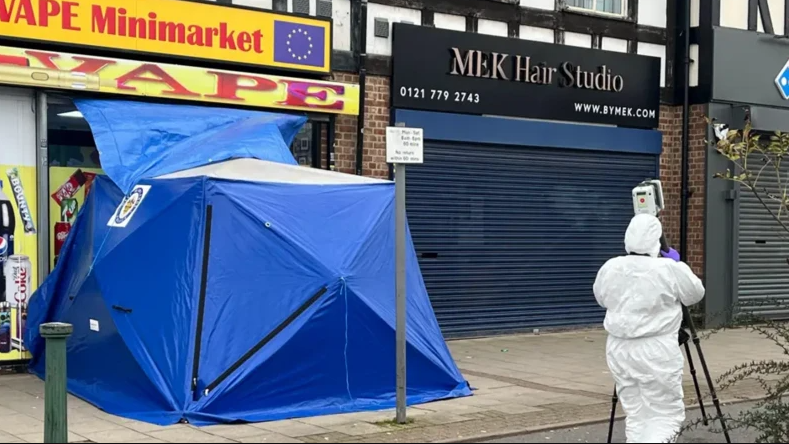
(761, 8)
(786, 17)
(510, 12)
(632, 9)
(753, 10)
(673, 23)
(472, 23)
(428, 18)
(702, 35)
(515, 16)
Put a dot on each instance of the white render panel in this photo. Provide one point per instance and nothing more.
(577, 39)
(262, 4)
(492, 27)
(694, 65)
(380, 45)
(539, 4)
(537, 34)
(650, 49)
(18, 127)
(612, 44)
(341, 15)
(734, 14)
(652, 13)
(449, 21)
(694, 12)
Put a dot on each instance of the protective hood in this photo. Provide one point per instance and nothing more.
(643, 235)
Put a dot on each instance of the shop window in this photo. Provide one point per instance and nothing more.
(613, 7)
(310, 146)
(302, 145)
(73, 158)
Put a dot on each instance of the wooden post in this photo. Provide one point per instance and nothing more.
(55, 404)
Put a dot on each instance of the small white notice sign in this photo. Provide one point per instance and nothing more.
(94, 325)
(404, 145)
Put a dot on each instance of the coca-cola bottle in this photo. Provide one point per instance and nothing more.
(7, 227)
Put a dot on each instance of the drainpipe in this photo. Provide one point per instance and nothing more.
(362, 57)
(330, 138)
(685, 192)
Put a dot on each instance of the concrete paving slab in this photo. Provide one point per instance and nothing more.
(232, 431)
(39, 438)
(95, 425)
(269, 437)
(115, 435)
(291, 428)
(186, 434)
(357, 428)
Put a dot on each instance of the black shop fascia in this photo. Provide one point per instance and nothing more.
(518, 68)
(468, 73)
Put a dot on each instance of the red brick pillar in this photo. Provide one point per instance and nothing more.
(671, 175)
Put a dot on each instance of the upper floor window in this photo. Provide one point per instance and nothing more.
(613, 7)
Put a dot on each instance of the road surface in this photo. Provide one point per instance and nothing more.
(599, 432)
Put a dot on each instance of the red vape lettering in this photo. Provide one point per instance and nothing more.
(40, 13)
(139, 75)
(299, 92)
(227, 85)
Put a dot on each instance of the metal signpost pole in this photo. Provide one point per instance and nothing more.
(403, 146)
(400, 288)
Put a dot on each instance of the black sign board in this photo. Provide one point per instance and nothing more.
(459, 72)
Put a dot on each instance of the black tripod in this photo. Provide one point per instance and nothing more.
(685, 339)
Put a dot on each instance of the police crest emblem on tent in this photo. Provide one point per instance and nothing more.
(129, 206)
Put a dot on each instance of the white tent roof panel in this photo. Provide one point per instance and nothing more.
(255, 170)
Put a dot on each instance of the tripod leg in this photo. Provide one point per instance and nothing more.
(614, 401)
(697, 342)
(696, 384)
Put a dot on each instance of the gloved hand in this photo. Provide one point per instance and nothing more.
(671, 254)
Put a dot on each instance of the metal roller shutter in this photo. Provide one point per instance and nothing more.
(511, 238)
(763, 271)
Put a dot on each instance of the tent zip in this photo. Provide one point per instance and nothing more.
(265, 340)
(209, 211)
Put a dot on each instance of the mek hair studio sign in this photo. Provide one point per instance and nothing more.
(478, 74)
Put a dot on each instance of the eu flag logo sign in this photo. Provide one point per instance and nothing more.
(782, 81)
(299, 44)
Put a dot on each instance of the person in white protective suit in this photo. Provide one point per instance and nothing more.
(642, 293)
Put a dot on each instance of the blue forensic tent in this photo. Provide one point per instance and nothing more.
(244, 290)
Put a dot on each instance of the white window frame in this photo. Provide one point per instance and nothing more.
(594, 11)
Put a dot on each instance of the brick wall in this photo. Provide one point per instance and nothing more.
(671, 175)
(377, 119)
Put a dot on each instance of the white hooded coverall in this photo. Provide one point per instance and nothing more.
(642, 293)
